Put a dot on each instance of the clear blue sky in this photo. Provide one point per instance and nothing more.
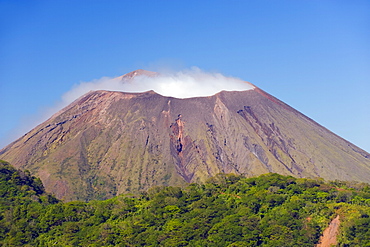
(313, 55)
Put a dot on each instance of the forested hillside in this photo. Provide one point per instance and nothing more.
(228, 210)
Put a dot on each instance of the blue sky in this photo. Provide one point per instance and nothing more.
(314, 55)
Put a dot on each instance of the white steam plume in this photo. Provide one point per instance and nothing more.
(183, 84)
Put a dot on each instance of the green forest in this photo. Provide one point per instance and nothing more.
(227, 210)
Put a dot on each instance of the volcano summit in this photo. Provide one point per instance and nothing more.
(107, 142)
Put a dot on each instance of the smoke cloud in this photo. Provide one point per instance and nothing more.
(183, 84)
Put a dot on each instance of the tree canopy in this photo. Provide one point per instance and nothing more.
(228, 210)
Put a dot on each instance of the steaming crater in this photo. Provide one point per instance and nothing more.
(182, 84)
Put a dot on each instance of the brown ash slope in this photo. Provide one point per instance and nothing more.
(107, 143)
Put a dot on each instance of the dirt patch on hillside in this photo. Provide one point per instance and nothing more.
(329, 236)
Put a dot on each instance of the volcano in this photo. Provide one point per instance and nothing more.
(107, 143)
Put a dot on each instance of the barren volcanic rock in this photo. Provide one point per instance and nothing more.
(107, 143)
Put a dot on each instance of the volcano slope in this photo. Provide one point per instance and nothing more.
(107, 143)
